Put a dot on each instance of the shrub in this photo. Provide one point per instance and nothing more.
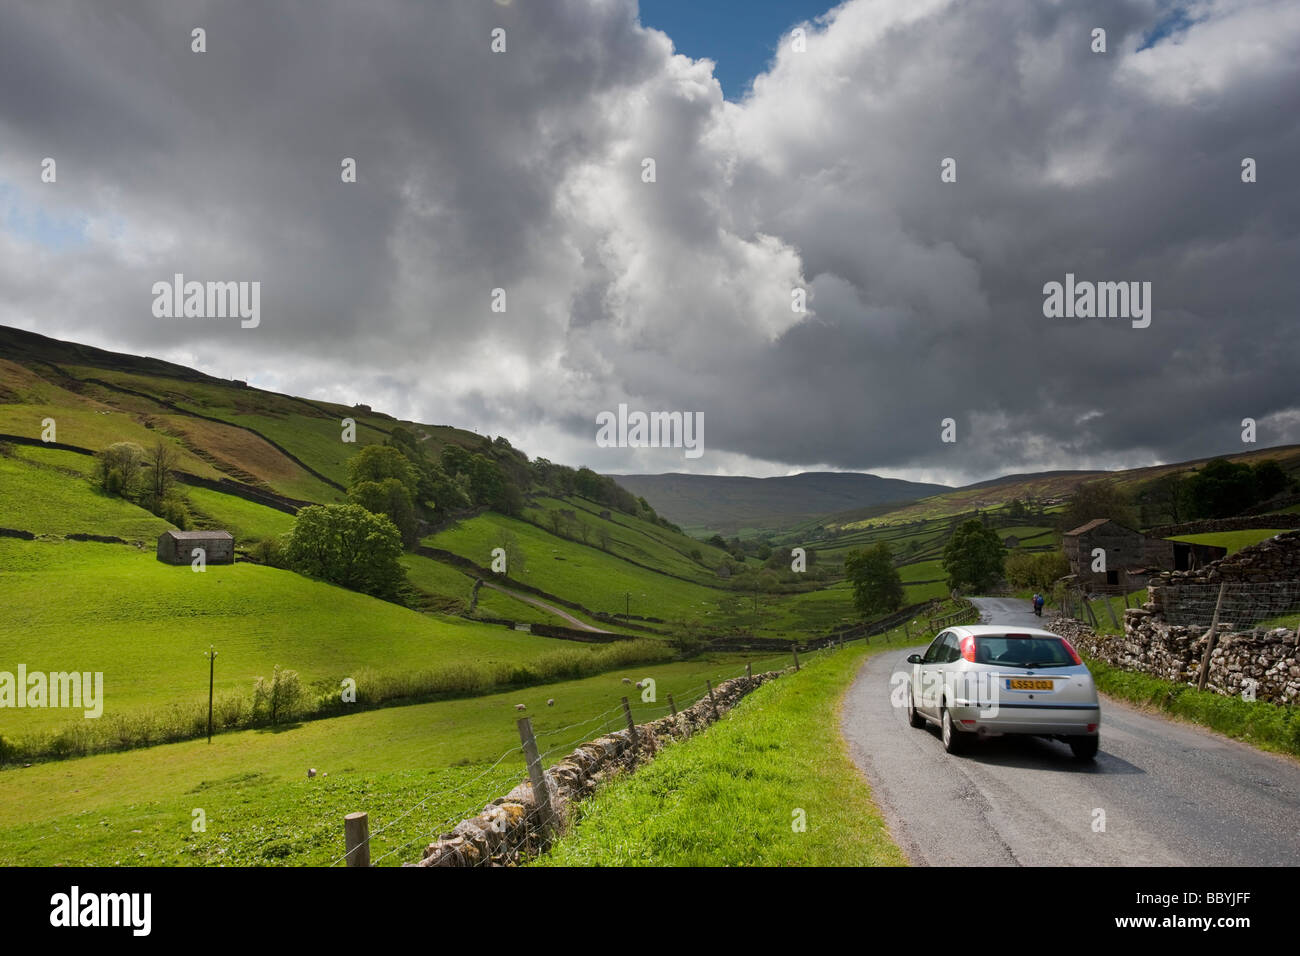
(278, 698)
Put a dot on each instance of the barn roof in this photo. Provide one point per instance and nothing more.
(1094, 523)
(196, 535)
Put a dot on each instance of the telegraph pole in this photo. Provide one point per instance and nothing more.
(211, 655)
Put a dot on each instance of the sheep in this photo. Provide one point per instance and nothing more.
(627, 680)
(550, 702)
(520, 707)
(311, 772)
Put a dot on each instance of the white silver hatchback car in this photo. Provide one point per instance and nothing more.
(985, 681)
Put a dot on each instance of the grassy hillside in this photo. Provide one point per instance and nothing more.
(146, 625)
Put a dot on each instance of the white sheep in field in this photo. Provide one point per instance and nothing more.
(550, 702)
(638, 685)
(520, 707)
(627, 680)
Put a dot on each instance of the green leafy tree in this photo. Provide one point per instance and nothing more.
(974, 556)
(390, 498)
(877, 585)
(119, 467)
(1270, 479)
(1100, 498)
(349, 546)
(1037, 571)
(378, 462)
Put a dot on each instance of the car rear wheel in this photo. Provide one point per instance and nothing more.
(913, 716)
(954, 741)
(1085, 748)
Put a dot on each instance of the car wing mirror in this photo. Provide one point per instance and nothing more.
(914, 659)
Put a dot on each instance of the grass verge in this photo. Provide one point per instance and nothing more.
(734, 796)
(1260, 723)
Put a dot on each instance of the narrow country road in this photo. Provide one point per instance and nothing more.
(1171, 794)
(550, 608)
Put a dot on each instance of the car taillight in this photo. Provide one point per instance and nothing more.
(968, 649)
(1073, 654)
(1091, 728)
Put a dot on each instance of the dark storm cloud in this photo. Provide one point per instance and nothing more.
(522, 171)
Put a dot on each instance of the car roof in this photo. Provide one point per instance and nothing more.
(982, 630)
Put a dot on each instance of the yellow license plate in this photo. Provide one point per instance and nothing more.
(1021, 684)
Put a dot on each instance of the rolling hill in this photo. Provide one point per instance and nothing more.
(731, 505)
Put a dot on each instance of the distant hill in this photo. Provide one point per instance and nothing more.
(732, 504)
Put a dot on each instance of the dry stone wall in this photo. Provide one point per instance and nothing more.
(509, 830)
(1265, 661)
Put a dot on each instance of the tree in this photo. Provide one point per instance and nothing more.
(378, 462)
(974, 556)
(877, 585)
(392, 499)
(277, 698)
(1221, 488)
(1099, 498)
(118, 467)
(1037, 571)
(1270, 479)
(1165, 500)
(160, 464)
(1224, 488)
(349, 546)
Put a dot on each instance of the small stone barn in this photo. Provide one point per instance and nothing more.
(1131, 557)
(177, 547)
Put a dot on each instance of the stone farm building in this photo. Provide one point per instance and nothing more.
(1131, 557)
(177, 547)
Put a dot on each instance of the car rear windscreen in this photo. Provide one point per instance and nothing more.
(1021, 651)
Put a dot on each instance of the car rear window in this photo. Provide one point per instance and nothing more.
(1022, 650)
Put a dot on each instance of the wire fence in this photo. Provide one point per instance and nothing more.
(1231, 606)
(1239, 605)
(559, 742)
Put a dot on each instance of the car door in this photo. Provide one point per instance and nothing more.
(927, 679)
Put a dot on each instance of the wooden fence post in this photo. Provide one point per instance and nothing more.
(712, 701)
(1211, 639)
(631, 724)
(748, 673)
(1087, 606)
(356, 837)
(541, 792)
(673, 704)
(1111, 608)
(795, 650)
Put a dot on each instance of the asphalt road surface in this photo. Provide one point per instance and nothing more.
(1171, 794)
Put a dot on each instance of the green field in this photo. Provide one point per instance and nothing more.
(246, 520)
(43, 498)
(1232, 540)
(136, 808)
(146, 625)
(583, 573)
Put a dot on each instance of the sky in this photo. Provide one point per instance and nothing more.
(739, 36)
(524, 170)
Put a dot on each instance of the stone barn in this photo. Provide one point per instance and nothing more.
(1131, 557)
(177, 547)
